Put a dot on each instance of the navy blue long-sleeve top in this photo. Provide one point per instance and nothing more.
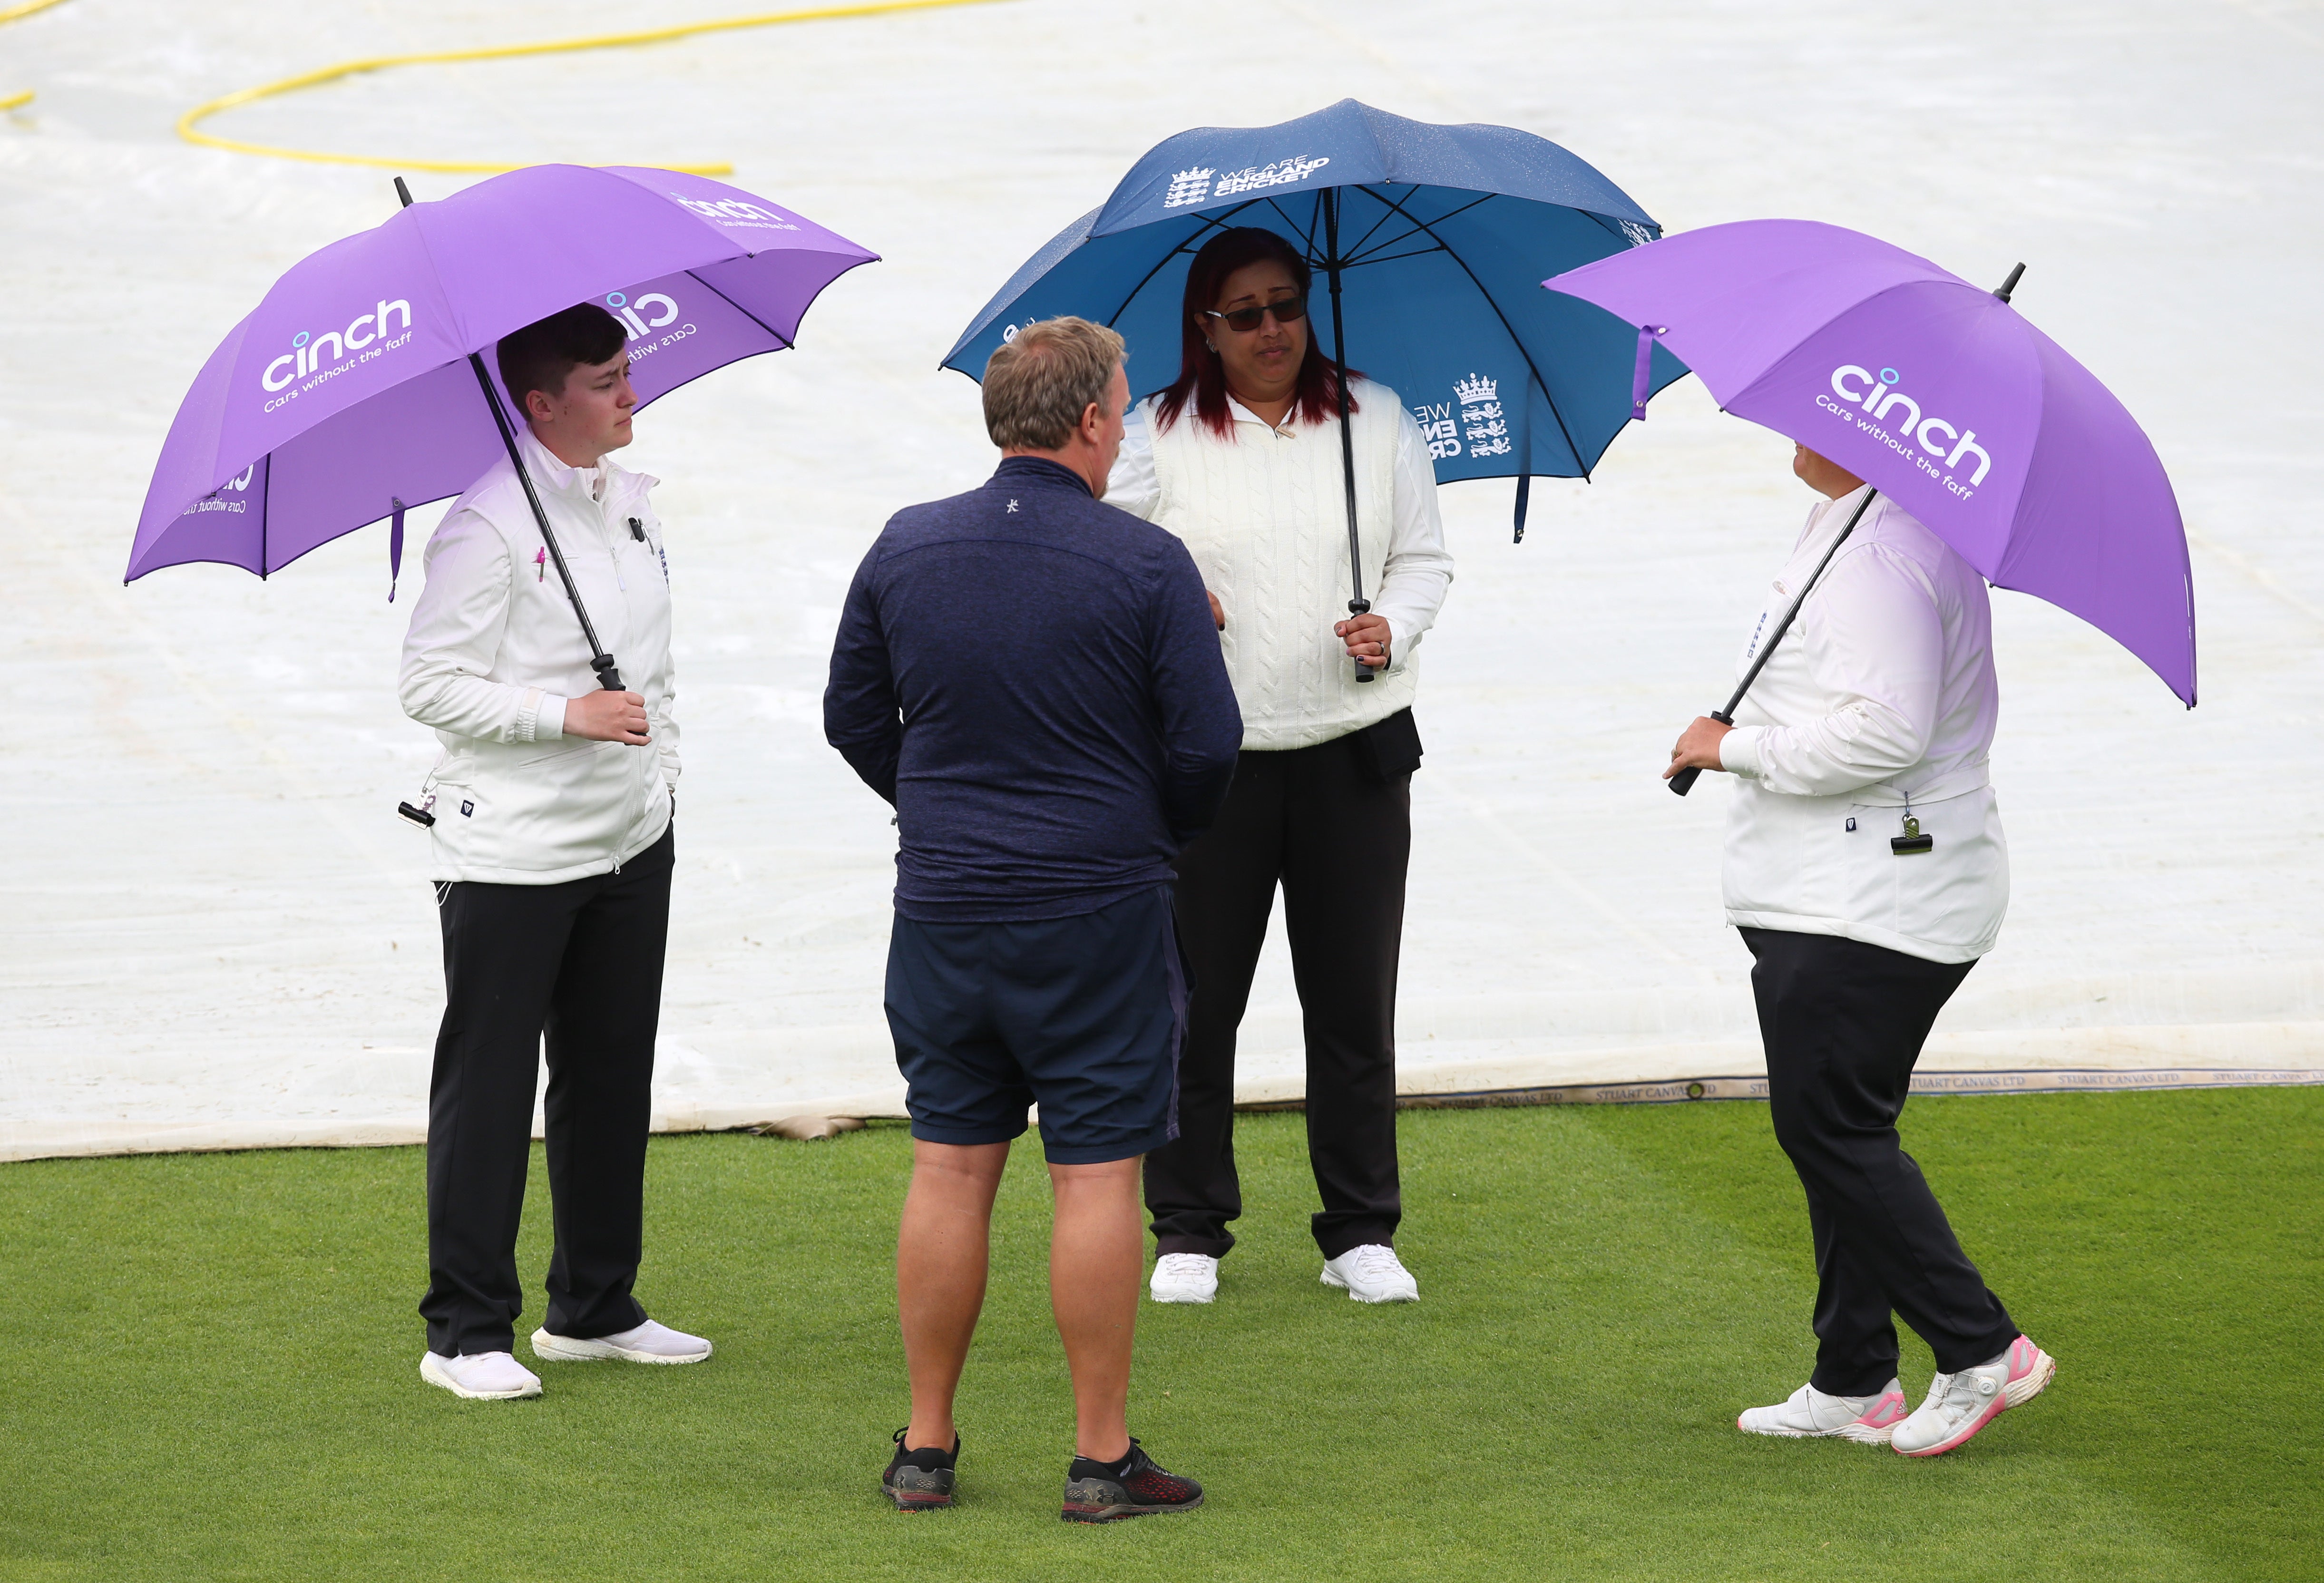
(1033, 678)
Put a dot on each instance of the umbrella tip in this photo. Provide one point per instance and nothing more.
(404, 193)
(2007, 286)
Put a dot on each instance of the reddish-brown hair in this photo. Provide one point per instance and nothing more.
(1202, 378)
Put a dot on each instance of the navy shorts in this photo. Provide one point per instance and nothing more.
(1084, 1016)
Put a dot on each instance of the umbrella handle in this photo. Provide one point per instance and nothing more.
(1684, 781)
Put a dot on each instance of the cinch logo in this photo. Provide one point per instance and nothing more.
(1880, 397)
(216, 501)
(306, 354)
(734, 211)
(665, 312)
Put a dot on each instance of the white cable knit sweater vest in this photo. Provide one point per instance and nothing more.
(1265, 517)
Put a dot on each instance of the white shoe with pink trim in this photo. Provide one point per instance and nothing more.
(1810, 1414)
(1960, 1405)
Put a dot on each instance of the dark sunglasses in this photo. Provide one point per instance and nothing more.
(1243, 321)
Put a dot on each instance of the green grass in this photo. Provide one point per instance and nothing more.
(210, 1369)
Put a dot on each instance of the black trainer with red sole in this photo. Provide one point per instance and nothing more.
(921, 1480)
(1135, 1487)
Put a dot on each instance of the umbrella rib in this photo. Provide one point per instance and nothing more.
(1356, 248)
(1306, 233)
(1515, 339)
(1357, 264)
(1207, 223)
(738, 307)
(1355, 255)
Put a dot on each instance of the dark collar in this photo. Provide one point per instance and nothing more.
(1040, 470)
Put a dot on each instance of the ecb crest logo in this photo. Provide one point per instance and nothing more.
(1197, 185)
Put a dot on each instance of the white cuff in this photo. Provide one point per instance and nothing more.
(540, 718)
(1739, 750)
(1400, 639)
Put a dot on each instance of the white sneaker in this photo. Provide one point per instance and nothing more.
(646, 1343)
(1372, 1273)
(481, 1377)
(1185, 1277)
(1868, 1421)
(1959, 1405)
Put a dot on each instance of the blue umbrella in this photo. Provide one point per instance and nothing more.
(1433, 240)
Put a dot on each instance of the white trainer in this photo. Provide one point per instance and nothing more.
(1960, 1405)
(480, 1376)
(1185, 1277)
(1372, 1273)
(646, 1343)
(1810, 1414)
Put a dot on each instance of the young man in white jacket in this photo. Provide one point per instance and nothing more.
(1866, 869)
(552, 858)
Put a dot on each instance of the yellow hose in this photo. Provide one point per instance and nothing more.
(500, 52)
(18, 101)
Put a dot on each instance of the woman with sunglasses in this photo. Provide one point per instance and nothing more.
(1242, 458)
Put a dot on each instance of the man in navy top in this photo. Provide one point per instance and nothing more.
(1045, 776)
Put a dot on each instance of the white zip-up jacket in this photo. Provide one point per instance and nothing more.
(1881, 699)
(494, 651)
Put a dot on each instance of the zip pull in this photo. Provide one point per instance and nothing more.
(637, 530)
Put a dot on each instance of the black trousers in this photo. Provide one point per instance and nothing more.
(1338, 839)
(1843, 1022)
(582, 963)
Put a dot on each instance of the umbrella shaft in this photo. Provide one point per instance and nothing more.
(1684, 781)
(1357, 603)
(600, 661)
(1727, 715)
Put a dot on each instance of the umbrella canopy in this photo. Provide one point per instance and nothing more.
(1939, 394)
(347, 395)
(1438, 235)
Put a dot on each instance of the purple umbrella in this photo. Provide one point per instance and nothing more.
(1939, 394)
(354, 390)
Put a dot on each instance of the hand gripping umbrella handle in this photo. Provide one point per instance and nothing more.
(1684, 781)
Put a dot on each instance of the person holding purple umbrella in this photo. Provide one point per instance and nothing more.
(1867, 871)
(1957, 445)
(552, 852)
(357, 390)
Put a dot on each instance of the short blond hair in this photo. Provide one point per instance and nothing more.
(1043, 378)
